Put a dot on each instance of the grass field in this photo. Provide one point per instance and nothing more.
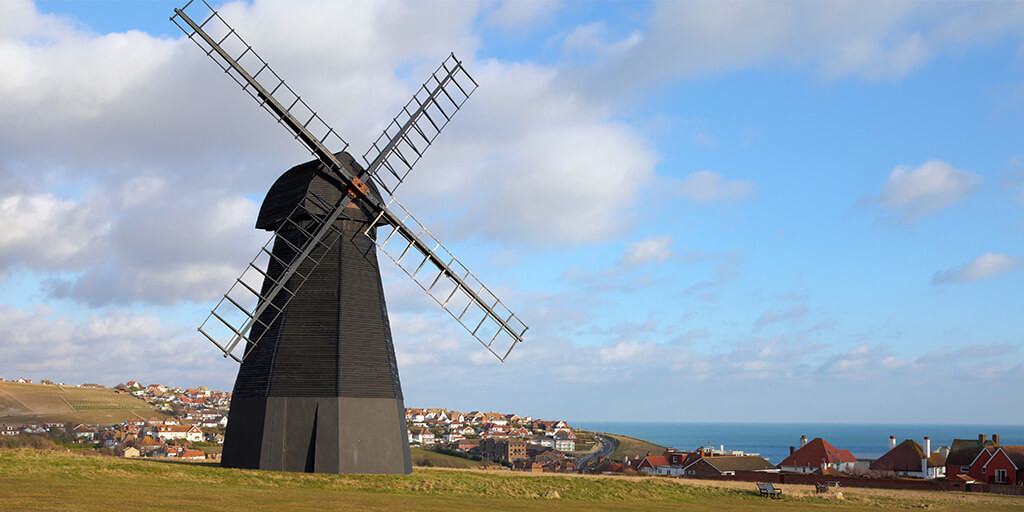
(36, 480)
(421, 457)
(37, 403)
(634, 448)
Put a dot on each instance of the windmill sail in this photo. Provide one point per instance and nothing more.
(401, 145)
(420, 121)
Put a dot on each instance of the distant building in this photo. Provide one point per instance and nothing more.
(817, 455)
(910, 459)
(728, 465)
(503, 449)
(963, 453)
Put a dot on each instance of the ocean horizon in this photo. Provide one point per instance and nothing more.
(772, 440)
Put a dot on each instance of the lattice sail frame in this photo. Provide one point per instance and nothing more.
(450, 284)
(399, 147)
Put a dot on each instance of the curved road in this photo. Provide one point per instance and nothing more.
(607, 446)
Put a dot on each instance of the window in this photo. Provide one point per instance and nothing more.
(964, 469)
(1000, 476)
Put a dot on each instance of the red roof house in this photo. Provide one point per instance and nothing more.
(1005, 466)
(818, 454)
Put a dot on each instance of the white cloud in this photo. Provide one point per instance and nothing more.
(653, 249)
(632, 352)
(874, 41)
(928, 189)
(709, 186)
(107, 348)
(521, 13)
(44, 232)
(983, 267)
(592, 39)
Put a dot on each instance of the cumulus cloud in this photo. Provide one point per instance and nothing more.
(983, 267)
(109, 348)
(521, 13)
(45, 232)
(876, 41)
(709, 186)
(654, 249)
(913, 193)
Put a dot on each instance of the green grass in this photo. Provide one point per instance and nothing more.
(427, 458)
(36, 480)
(634, 448)
(38, 403)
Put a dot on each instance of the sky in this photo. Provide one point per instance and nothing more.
(704, 211)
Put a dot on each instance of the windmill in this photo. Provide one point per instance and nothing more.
(317, 388)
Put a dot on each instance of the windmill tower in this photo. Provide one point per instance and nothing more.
(318, 387)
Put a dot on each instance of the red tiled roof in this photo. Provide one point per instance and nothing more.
(657, 460)
(815, 452)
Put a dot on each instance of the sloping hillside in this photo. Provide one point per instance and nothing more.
(37, 403)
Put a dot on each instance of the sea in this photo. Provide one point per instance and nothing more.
(772, 440)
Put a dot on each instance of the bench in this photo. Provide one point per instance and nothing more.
(769, 491)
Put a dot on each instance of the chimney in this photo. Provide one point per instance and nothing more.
(892, 442)
(995, 439)
(803, 441)
(792, 450)
(927, 447)
(981, 439)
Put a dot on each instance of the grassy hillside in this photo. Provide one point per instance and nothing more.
(34, 480)
(427, 458)
(634, 448)
(36, 403)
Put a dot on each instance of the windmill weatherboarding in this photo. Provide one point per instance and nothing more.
(317, 387)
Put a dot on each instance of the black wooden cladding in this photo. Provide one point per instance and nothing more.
(333, 338)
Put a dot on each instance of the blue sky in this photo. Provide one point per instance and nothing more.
(694, 205)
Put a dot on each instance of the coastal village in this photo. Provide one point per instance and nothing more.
(194, 421)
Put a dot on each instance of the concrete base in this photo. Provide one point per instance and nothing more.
(318, 435)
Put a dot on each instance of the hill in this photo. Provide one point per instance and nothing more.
(38, 403)
(632, 447)
(35, 480)
(428, 458)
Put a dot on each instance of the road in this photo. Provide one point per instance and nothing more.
(607, 446)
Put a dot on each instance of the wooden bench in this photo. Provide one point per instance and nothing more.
(769, 491)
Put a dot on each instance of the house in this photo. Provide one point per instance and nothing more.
(532, 467)
(546, 442)
(464, 445)
(451, 437)
(909, 459)
(1005, 466)
(564, 443)
(503, 449)
(728, 465)
(657, 465)
(964, 452)
(8, 430)
(815, 455)
(24, 381)
(495, 419)
(187, 432)
(129, 452)
(193, 455)
(422, 436)
(83, 432)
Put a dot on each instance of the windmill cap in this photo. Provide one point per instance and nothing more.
(292, 188)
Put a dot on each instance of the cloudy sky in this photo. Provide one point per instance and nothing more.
(705, 211)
